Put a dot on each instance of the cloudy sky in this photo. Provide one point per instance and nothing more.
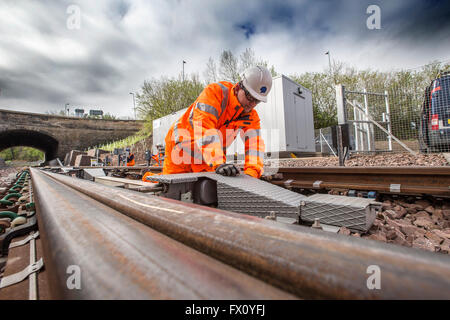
(91, 54)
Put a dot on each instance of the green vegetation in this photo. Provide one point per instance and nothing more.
(405, 88)
(230, 68)
(162, 97)
(22, 153)
(56, 113)
(106, 116)
(127, 142)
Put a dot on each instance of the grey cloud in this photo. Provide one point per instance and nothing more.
(126, 42)
(422, 21)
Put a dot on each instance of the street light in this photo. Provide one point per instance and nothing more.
(183, 69)
(329, 62)
(134, 104)
(329, 65)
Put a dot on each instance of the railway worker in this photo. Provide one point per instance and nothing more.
(130, 158)
(198, 140)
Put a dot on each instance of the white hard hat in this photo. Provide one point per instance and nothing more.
(258, 81)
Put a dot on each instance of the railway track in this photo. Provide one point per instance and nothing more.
(433, 181)
(138, 246)
(122, 258)
(402, 180)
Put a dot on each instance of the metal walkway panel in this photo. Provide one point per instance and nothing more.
(91, 174)
(177, 178)
(244, 194)
(354, 213)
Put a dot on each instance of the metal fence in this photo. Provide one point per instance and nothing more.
(394, 120)
(324, 141)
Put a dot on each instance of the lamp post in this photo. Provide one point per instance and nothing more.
(329, 65)
(329, 61)
(183, 69)
(134, 104)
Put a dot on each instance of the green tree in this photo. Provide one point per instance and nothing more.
(210, 72)
(323, 96)
(108, 116)
(228, 69)
(405, 89)
(231, 68)
(57, 113)
(22, 153)
(160, 97)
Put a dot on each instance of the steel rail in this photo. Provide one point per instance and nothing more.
(117, 257)
(407, 190)
(412, 180)
(409, 180)
(306, 262)
(133, 168)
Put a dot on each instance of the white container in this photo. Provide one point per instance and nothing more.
(287, 123)
(161, 126)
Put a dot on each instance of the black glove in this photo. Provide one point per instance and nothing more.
(227, 169)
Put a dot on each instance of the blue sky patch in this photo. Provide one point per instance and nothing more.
(248, 28)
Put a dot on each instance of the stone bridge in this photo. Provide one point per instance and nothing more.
(57, 135)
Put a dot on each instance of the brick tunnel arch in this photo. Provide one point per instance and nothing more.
(28, 138)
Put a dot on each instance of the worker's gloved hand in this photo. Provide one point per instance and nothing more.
(227, 169)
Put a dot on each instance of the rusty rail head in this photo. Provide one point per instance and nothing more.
(120, 258)
(437, 179)
(305, 262)
(413, 180)
(412, 170)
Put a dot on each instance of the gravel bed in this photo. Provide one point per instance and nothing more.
(411, 222)
(7, 176)
(404, 220)
(379, 160)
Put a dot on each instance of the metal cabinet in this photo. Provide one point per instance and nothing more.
(287, 123)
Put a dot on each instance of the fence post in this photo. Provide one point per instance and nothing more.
(342, 119)
(339, 145)
(320, 137)
(388, 119)
(355, 127)
(340, 104)
(369, 126)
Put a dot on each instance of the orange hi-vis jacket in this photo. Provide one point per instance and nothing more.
(130, 160)
(199, 139)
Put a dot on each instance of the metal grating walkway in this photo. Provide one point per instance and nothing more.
(244, 194)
